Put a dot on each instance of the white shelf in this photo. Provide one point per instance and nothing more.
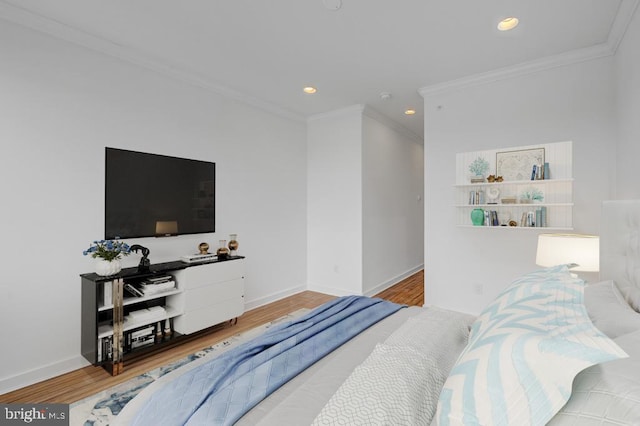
(523, 205)
(106, 330)
(515, 182)
(131, 300)
(521, 228)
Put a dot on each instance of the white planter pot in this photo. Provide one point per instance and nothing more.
(105, 268)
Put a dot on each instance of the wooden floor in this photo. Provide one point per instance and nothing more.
(78, 384)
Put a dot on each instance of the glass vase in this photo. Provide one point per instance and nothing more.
(222, 251)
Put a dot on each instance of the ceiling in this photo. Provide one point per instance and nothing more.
(264, 52)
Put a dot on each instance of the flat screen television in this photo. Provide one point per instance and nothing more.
(149, 195)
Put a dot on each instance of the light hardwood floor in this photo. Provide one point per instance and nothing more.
(86, 381)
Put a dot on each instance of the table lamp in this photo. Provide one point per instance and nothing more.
(579, 250)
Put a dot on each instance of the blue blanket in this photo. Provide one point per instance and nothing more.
(222, 390)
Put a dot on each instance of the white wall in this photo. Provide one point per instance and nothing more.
(61, 105)
(574, 102)
(334, 206)
(365, 202)
(393, 207)
(628, 110)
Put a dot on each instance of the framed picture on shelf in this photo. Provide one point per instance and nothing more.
(518, 165)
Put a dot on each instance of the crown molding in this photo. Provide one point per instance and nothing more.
(96, 43)
(619, 27)
(342, 112)
(626, 10)
(572, 57)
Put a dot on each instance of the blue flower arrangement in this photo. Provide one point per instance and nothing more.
(108, 249)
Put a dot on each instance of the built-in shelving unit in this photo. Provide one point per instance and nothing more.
(553, 211)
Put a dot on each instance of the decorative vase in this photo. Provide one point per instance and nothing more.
(105, 268)
(477, 217)
(233, 244)
(203, 248)
(222, 251)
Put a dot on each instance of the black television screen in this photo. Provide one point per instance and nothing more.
(150, 195)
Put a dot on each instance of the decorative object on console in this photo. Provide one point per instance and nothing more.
(108, 253)
(222, 251)
(478, 168)
(233, 244)
(203, 248)
(144, 264)
(477, 217)
(582, 251)
(104, 268)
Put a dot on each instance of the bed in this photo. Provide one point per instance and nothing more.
(548, 350)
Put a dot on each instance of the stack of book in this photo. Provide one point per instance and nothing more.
(146, 315)
(139, 337)
(155, 285)
(537, 218)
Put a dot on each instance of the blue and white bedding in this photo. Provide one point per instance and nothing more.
(524, 352)
(223, 389)
(541, 338)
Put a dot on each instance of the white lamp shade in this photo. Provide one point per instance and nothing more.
(560, 249)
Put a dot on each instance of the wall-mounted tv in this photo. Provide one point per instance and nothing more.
(149, 195)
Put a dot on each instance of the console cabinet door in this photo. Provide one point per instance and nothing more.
(212, 293)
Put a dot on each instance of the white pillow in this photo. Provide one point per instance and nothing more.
(632, 296)
(606, 394)
(608, 309)
(523, 353)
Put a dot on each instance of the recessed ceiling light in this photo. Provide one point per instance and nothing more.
(508, 23)
(310, 90)
(409, 111)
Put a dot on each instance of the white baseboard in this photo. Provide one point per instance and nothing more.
(338, 292)
(256, 303)
(393, 281)
(375, 290)
(8, 384)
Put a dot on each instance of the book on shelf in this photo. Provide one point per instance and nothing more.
(132, 290)
(541, 217)
(159, 279)
(154, 288)
(138, 337)
(105, 348)
(546, 173)
(105, 298)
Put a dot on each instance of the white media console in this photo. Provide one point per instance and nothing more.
(205, 294)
